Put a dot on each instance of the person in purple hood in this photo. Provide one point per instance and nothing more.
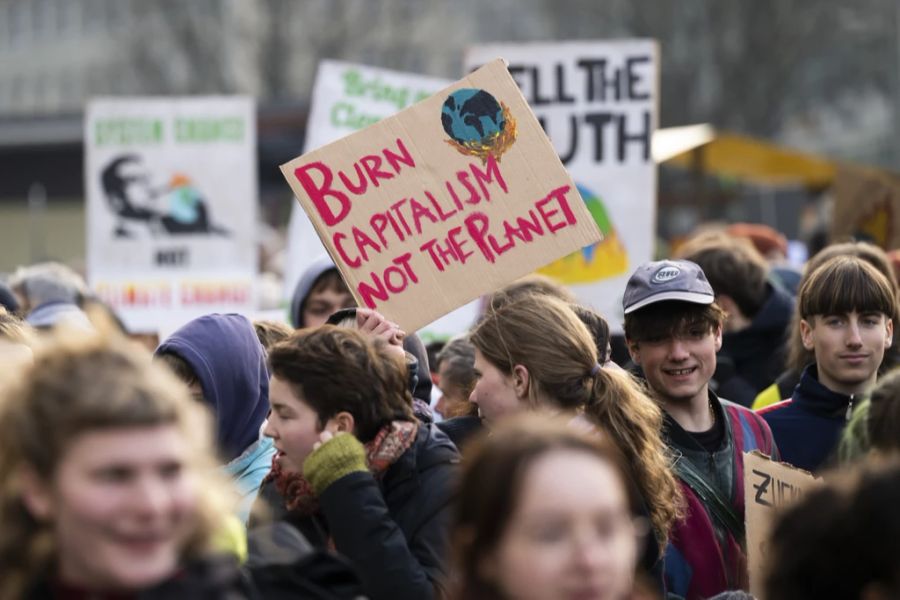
(220, 359)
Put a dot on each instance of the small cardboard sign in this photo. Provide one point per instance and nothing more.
(769, 486)
(449, 199)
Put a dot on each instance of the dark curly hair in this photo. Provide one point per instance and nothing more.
(337, 369)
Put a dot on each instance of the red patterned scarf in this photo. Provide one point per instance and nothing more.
(388, 445)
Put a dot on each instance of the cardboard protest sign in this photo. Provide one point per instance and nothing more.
(598, 102)
(769, 486)
(348, 97)
(867, 206)
(171, 207)
(449, 199)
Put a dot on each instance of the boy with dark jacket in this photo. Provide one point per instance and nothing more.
(845, 308)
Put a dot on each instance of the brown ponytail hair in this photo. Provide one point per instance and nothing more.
(545, 336)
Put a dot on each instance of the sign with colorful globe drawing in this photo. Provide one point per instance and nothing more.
(450, 199)
(598, 103)
(346, 98)
(477, 124)
(600, 260)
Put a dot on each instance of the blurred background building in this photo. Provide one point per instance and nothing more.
(821, 76)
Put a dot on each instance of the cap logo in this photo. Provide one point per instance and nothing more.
(666, 274)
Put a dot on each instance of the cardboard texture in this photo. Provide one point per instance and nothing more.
(450, 199)
(867, 206)
(769, 486)
(598, 101)
(346, 98)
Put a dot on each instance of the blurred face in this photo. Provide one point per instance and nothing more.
(453, 400)
(121, 506)
(14, 355)
(494, 391)
(321, 304)
(848, 348)
(571, 536)
(678, 368)
(293, 426)
(137, 186)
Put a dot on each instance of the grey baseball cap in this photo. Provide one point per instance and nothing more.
(662, 280)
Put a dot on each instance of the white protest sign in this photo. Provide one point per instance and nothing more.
(452, 198)
(598, 102)
(171, 207)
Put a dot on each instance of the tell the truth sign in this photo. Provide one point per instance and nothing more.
(450, 199)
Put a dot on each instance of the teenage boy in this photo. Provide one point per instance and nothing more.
(845, 309)
(673, 329)
(758, 314)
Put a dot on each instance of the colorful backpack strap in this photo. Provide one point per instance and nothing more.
(718, 506)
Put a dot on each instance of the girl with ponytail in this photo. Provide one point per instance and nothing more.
(535, 353)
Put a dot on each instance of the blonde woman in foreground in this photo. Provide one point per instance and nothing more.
(107, 490)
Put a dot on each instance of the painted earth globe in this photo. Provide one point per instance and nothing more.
(472, 115)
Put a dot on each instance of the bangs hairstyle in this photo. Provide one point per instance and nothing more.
(671, 318)
(846, 284)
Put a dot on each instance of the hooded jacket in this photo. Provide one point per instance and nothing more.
(309, 277)
(230, 364)
(807, 428)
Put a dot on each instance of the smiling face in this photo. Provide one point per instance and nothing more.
(121, 506)
(848, 348)
(577, 542)
(494, 392)
(293, 426)
(678, 367)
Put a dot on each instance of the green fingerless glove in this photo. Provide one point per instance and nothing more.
(339, 456)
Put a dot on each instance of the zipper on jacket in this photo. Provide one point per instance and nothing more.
(850, 407)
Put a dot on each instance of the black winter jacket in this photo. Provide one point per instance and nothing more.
(281, 565)
(394, 530)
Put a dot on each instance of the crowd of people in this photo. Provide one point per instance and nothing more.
(538, 455)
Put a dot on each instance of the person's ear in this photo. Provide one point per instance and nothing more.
(807, 335)
(521, 380)
(718, 337)
(889, 338)
(343, 422)
(634, 351)
(36, 495)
